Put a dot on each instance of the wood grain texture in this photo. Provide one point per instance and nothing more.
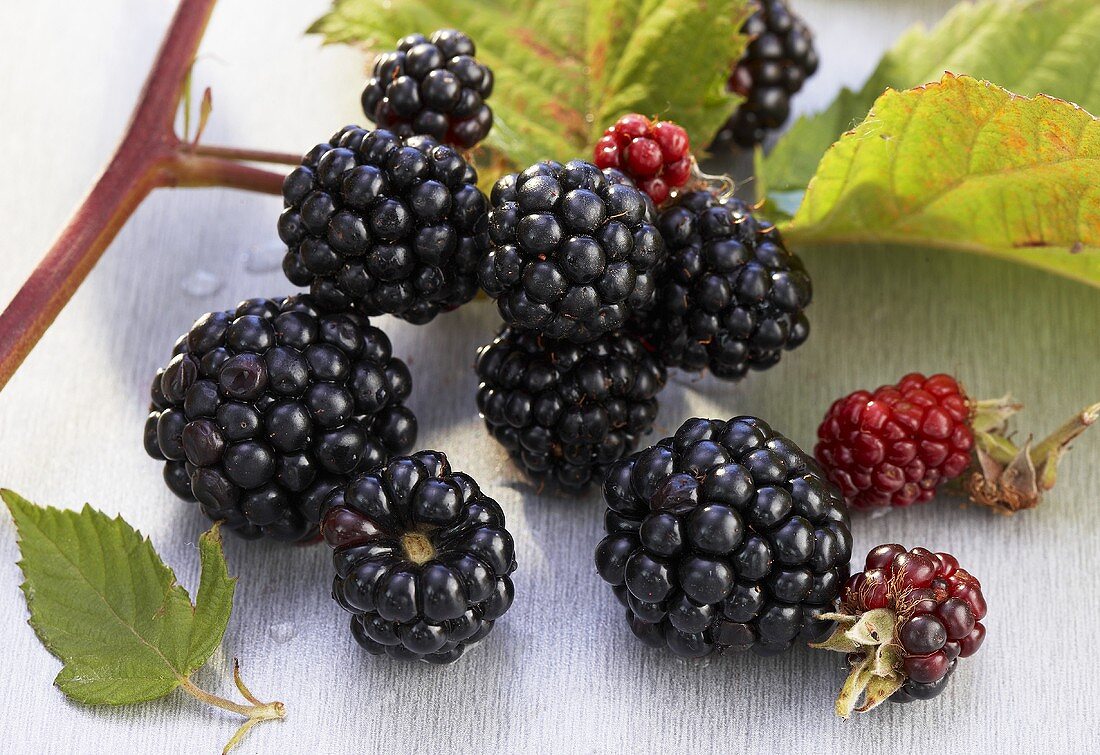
(561, 673)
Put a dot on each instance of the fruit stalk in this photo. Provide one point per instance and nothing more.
(255, 712)
(149, 156)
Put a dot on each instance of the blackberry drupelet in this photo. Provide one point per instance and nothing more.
(265, 409)
(432, 86)
(732, 296)
(566, 411)
(422, 559)
(779, 59)
(726, 536)
(574, 251)
(388, 225)
(909, 616)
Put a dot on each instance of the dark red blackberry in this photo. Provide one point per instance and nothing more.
(903, 623)
(388, 225)
(566, 411)
(731, 297)
(779, 59)
(573, 250)
(726, 536)
(896, 446)
(422, 559)
(432, 86)
(265, 409)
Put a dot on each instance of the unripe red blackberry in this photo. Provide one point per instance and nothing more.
(896, 446)
(422, 559)
(656, 155)
(387, 225)
(566, 411)
(902, 443)
(904, 622)
(779, 59)
(267, 408)
(432, 86)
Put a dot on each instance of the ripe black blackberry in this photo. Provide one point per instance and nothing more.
(422, 559)
(566, 411)
(265, 409)
(778, 61)
(726, 536)
(433, 86)
(732, 296)
(389, 225)
(573, 250)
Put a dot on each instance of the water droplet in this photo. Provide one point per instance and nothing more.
(264, 258)
(201, 283)
(283, 632)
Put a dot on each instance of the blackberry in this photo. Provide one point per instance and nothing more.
(265, 409)
(432, 86)
(655, 154)
(422, 559)
(389, 225)
(732, 296)
(909, 616)
(566, 411)
(779, 59)
(573, 250)
(896, 446)
(726, 536)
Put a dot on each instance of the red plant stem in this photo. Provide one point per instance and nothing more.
(191, 170)
(248, 155)
(150, 155)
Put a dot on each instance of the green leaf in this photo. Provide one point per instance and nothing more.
(1026, 46)
(102, 601)
(566, 69)
(963, 164)
(213, 601)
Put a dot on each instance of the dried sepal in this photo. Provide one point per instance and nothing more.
(1009, 479)
(877, 672)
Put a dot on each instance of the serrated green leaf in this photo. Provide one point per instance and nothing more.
(675, 62)
(213, 601)
(963, 164)
(103, 602)
(566, 69)
(1027, 46)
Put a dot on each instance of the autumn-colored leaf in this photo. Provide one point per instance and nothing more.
(963, 164)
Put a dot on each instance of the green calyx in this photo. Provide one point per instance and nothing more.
(1009, 478)
(877, 674)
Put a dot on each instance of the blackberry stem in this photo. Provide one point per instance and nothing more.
(255, 713)
(149, 156)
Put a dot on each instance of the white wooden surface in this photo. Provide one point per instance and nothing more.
(561, 672)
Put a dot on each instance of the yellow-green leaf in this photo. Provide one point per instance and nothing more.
(566, 69)
(102, 601)
(963, 164)
(1029, 47)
